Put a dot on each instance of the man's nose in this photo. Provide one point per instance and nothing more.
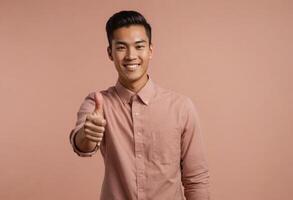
(131, 53)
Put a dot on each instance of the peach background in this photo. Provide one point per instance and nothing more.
(233, 58)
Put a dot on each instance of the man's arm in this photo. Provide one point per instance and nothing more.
(81, 145)
(194, 167)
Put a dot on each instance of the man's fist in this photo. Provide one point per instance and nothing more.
(95, 122)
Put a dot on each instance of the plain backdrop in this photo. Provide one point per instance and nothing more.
(233, 58)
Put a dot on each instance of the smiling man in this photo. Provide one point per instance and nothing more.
(149, 136)
(130, 50)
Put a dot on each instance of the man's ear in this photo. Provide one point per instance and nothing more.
(151, 51)
(109, 50)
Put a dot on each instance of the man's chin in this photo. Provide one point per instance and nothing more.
(132, 78)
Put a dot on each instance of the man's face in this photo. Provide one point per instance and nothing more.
(130, 53)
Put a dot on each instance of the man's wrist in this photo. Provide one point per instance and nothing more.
(83, 143)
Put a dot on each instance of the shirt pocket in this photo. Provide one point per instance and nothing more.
(166, 145)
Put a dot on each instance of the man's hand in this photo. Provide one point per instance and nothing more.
(95, 123)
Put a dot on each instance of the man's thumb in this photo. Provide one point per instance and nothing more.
(99, 103)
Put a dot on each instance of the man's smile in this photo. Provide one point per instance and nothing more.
(131, 67)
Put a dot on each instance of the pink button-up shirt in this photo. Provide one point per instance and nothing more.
(152, 146)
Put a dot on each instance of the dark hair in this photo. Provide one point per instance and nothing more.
(127, 18)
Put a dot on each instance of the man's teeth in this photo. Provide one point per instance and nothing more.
(132, 67)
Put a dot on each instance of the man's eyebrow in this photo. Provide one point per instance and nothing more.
(140, 41)
(124, 43)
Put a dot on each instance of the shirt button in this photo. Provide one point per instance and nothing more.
(139, 133)
(136, 113)
(139, 155)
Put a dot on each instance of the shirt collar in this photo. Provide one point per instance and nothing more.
(145, 94)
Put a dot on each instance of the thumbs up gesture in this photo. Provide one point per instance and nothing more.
(95, 123)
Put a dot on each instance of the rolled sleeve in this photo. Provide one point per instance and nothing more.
(194, 166)
(86, 107)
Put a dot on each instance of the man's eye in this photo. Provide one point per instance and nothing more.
(119, 48)
(140, 47)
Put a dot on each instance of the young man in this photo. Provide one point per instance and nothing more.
(149, 136)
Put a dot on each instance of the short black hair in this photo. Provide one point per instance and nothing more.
(127, 18)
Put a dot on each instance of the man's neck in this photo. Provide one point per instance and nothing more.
(136, 85)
